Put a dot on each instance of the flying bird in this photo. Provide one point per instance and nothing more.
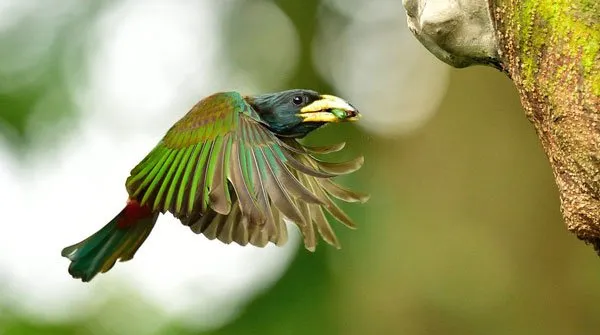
(232, 169)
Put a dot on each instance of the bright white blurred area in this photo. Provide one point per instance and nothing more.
(145, 63)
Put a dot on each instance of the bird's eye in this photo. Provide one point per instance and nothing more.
(298, 100)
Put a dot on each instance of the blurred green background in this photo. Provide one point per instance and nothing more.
(462, 235)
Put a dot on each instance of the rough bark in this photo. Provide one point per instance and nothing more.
(551, 50)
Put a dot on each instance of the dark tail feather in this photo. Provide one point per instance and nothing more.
(118, 240)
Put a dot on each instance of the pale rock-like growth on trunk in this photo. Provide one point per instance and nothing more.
(458, 32)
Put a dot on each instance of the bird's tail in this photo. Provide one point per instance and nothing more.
(118, 240)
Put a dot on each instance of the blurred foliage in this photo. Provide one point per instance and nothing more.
(38, 91)
(462, 235)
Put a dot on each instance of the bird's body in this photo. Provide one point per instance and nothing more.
(231, 169)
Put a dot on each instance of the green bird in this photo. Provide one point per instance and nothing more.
(232, 169)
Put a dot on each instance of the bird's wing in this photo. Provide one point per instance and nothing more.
(325, 189)
(234, 228)
(220, 143)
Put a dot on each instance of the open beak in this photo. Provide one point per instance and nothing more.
(329, 108)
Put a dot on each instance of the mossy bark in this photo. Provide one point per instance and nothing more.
(551, 50)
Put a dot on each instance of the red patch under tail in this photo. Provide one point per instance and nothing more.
(132, 213)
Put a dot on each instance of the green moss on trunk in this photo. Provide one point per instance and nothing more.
(551, 49)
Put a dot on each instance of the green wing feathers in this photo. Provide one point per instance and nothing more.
(292, 185)
(178, 173)
(224, 174)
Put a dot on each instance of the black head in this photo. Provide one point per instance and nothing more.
(295, 113)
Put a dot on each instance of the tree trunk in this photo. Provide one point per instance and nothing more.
(551, 50)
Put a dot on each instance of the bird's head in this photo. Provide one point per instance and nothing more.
(295, 113)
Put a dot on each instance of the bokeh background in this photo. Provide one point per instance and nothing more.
(462, 235)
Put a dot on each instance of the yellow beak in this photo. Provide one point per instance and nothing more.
(329, 109)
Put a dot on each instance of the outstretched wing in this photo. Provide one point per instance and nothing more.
(325, 189)
(313, 174)
(220, 146)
